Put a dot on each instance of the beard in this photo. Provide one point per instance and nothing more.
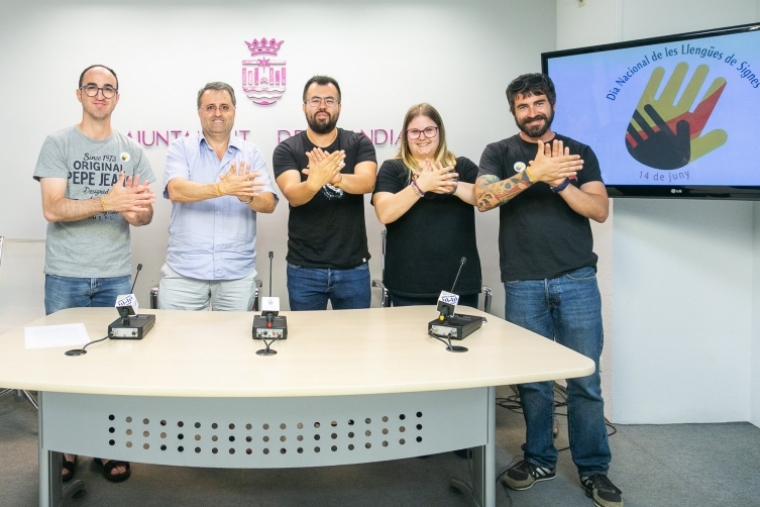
(322, 126)
(535, 131)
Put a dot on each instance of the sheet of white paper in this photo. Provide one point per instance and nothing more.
(63, 335)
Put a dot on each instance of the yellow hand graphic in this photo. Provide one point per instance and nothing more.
(671, 132)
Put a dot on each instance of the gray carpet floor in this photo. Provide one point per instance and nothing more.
(655, 465)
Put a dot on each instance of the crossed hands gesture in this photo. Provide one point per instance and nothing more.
(553, 163)
(129, 197)
(323, 168)
(678, 138)
(435, 178)
(241, 182)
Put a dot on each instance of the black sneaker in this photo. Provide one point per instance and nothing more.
(524, 475)
(601, 490)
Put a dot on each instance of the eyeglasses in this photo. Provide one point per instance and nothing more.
(316, 101)
(428, 132)
(92, 91)
(211, 108)
(520, 84)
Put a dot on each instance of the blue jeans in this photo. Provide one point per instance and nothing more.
(63, 292)
(396, 300)
(568, 310)
(311, 288)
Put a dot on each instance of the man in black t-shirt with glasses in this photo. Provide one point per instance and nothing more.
(547, 186)
(323, 172)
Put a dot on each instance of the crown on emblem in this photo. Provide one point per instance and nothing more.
(264, 46)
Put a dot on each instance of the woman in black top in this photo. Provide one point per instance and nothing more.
(425, 197)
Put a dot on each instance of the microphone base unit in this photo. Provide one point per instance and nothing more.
(133, 328)
(277, 331)
(456, 327)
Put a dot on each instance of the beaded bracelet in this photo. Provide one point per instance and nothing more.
(103, 203)
(417, 189)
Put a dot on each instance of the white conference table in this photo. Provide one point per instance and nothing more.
(346, 387)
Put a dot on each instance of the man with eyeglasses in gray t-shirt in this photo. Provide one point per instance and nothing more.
(94, 184)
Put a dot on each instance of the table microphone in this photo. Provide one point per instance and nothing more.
(445, 306)
(129, 325)
(449, 325)
(270, 325)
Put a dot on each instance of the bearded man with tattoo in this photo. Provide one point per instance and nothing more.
(547, 187)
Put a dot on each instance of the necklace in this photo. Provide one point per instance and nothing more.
(335, 136)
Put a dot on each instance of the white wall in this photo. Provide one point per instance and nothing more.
(386, 55)
(682, 323)
(682, 271)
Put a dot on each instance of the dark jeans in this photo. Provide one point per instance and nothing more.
(568, 310)
(311, 288)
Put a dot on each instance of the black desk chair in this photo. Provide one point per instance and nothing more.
(18, 394)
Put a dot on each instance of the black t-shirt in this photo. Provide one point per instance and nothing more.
(425, 245)
(540, 236)
(329, 230)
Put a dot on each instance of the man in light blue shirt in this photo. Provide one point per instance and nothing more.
(217, 183)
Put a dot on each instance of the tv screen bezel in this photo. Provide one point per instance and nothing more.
(750, 193)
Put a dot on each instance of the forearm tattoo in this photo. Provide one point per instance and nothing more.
(493, 192)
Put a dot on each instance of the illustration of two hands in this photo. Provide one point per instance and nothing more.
(664, 134)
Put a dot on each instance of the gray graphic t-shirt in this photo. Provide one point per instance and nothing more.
(98, 246)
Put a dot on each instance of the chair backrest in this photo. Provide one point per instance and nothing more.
(22, 282)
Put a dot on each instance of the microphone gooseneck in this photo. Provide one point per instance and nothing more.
(132, 290)
(462, 262)
(271, 255)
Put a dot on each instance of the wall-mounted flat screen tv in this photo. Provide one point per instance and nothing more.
(675, 116)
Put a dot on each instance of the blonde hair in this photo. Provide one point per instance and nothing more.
(442, 154)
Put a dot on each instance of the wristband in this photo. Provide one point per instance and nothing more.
(454, 190)
(559, 188)
(218, 190)
(417, 189)
(103, 203)
(529, 174)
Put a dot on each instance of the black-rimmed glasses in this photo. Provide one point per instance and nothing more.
(428, 132)
(92, 91)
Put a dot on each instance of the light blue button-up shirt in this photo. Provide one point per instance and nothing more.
(212, 239)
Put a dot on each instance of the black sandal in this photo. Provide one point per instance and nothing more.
(110, 465)
(68, 466)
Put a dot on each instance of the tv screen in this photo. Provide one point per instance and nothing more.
(675, 116)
